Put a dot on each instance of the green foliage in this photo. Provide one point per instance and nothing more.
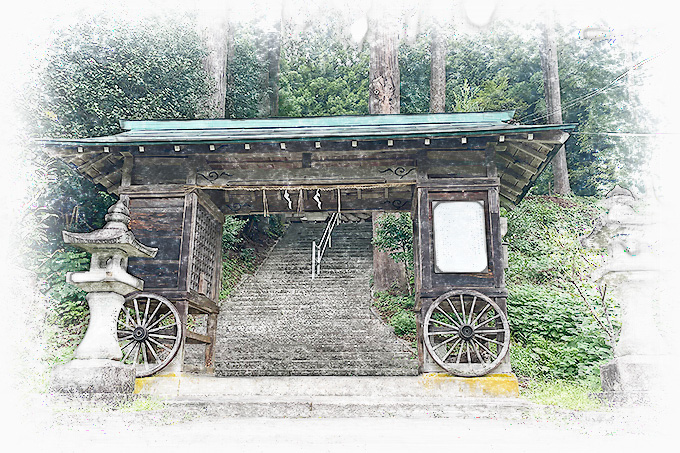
(404, 323)
(555, 333)
(565, 394)
(322, 75)
(247, 89)
(394, 234)
(500, 69)
(99, 71)
(92, 74)
(231, 231)
(414, 75)
(397, 311)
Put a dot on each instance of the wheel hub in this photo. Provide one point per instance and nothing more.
(140, 333)
(466, 332)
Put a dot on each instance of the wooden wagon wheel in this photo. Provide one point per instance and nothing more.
(149, 332)
(466, 333)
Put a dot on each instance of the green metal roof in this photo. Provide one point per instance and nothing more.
(311, 128)
(320, 121)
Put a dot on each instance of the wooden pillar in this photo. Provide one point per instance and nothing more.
(384, 98)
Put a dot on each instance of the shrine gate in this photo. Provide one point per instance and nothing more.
(452, 172)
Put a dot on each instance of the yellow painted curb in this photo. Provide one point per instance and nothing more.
(496, 385)
(167, 383)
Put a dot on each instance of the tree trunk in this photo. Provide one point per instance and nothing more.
(437, 72)
(214, 30)
(383, 70)
(383, 98)
(274, 57)
(229, 111)
(553, 103)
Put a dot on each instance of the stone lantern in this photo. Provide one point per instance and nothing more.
(97, 366)
(632, 273)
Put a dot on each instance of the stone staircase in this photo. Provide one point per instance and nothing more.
(280, 322)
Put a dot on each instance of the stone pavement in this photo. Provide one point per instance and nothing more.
(63, 427)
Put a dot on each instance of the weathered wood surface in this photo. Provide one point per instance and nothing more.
(185, 264)
(429, 280)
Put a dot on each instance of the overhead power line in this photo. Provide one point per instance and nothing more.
(537, 116)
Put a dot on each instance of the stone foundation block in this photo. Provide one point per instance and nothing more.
(93, 376)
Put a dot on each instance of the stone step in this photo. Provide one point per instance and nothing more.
(282, 322)
(351, 407)
(421, 386)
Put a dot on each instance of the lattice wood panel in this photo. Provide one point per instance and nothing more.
(205, 239)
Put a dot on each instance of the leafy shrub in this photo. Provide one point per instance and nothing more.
(231, 232)
(394, 234)
(404, 323)
(561, 327)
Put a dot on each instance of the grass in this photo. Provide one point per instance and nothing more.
(397, 311)
(141, 405)
(572, 395)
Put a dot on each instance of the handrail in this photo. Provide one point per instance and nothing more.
(319, 250)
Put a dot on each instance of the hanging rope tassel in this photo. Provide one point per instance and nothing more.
(301, 201)
(317, 198)
(286, 195)
(265, 207)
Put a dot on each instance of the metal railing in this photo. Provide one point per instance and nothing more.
(319, 250)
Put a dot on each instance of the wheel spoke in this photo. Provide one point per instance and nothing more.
(481, 313)
(154, 312)
(146, 310)
(136, 311)
(130, 351)
(139, 349)
(455, 312)
(153, 351)
(159, 320)
(460, 351)
(443, 323)
(481, 359)
(481, 345)
(162, 327)
(453, 346)
(129, 318)
(487, 321)
(445, 314)
(126, 345)
(125, 324)
(492, 341)
(144, 353)
(125, 337)
(158, 335)
(467, 347)
(447, 332)
(482, 331)
(472, 309)
(462, 307)
(160, 344)
(446, 341)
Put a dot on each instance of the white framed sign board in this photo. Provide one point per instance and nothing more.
(459, 231)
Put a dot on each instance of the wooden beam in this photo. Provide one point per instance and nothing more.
(518, 163)
(94, 163)
(527, 151)
(107, 176)
(197, 338)
(355, 174)
(511, 189)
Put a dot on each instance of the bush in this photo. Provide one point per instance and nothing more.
(231, 232)
(554, 332)
(404, 323)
